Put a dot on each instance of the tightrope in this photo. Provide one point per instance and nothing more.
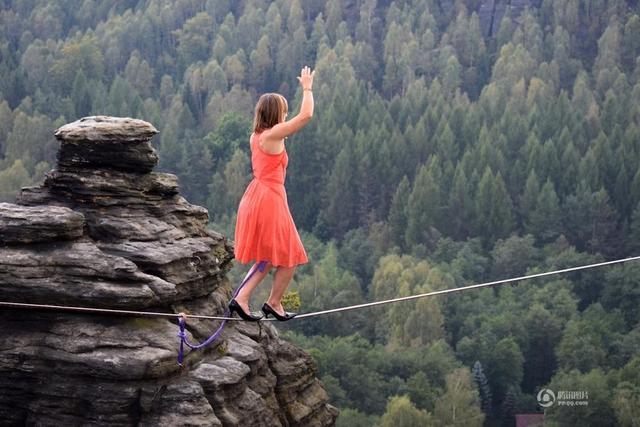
(108, 311)
(465, 288)
(182, 334)
(315, 313)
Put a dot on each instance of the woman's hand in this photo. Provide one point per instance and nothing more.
(272, 138)
(306, 78)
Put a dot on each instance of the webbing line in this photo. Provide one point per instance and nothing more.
(315, 313)
(107, 311)
(181, 321)
(464, 288)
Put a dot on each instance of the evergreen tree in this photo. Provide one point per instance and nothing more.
(633, 242)
(398, 212)
(460, 207)
(483, 387)
(80, 95)
(545, 221)
(493, 207)
(342, 193)
(508, 409)
(424, 207)
(529, 198)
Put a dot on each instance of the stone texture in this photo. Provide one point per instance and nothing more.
(78, 273)
(119, 143)
(103, 230)
(21, 224)
(491, 12)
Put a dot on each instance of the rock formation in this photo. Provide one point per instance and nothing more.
(490, 12)
(103, 230)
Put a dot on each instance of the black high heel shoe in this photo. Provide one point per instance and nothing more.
(267, 310)
(234, 306)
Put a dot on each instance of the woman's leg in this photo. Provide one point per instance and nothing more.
(280, 284)
(245, 293)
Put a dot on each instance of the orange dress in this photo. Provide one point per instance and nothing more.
(265, 230)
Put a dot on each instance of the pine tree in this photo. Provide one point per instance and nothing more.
(508, 409)
(633, 241)
(423, 207)
(545, 221)
(460, 207)
(484, 204)
(483, 387)
(342, 194)
(80, 95)
(630, 44)
(529, 198)
(398, 212)
(494, 209)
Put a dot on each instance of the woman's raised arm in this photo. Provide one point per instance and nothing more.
(284, 129)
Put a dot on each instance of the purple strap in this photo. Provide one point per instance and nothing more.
(183, 334)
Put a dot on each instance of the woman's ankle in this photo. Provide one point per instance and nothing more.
(242, 299)
(274, 304)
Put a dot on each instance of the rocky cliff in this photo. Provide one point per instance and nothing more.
(104, 230)
(490, 12)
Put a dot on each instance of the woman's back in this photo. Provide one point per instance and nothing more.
(269, 168)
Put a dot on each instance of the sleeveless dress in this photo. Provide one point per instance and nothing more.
(265, 230)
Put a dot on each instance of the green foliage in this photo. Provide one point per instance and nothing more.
(11, 180)
(599, 410)
(401, 413)
(409, 323)
(623, 292)
(291, 301)
(353, 418)
(460, 404)
(329, 285)
(587, 340)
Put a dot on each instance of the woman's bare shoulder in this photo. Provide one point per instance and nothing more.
(269, 144)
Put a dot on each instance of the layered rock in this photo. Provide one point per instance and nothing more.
(103, 230)
(491, 12)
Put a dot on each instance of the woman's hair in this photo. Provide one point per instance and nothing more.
(270, 110)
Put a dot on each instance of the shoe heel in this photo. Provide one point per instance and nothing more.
(235, 307)
(266, 310)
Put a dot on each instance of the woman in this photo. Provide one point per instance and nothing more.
(265, 230)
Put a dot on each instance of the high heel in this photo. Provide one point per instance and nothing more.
(267, 310)
(234, 306)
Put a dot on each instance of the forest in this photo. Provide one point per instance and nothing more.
(452, 143)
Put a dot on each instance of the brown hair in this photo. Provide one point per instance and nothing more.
(270, 111)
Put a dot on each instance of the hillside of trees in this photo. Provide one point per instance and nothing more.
(440, 155)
